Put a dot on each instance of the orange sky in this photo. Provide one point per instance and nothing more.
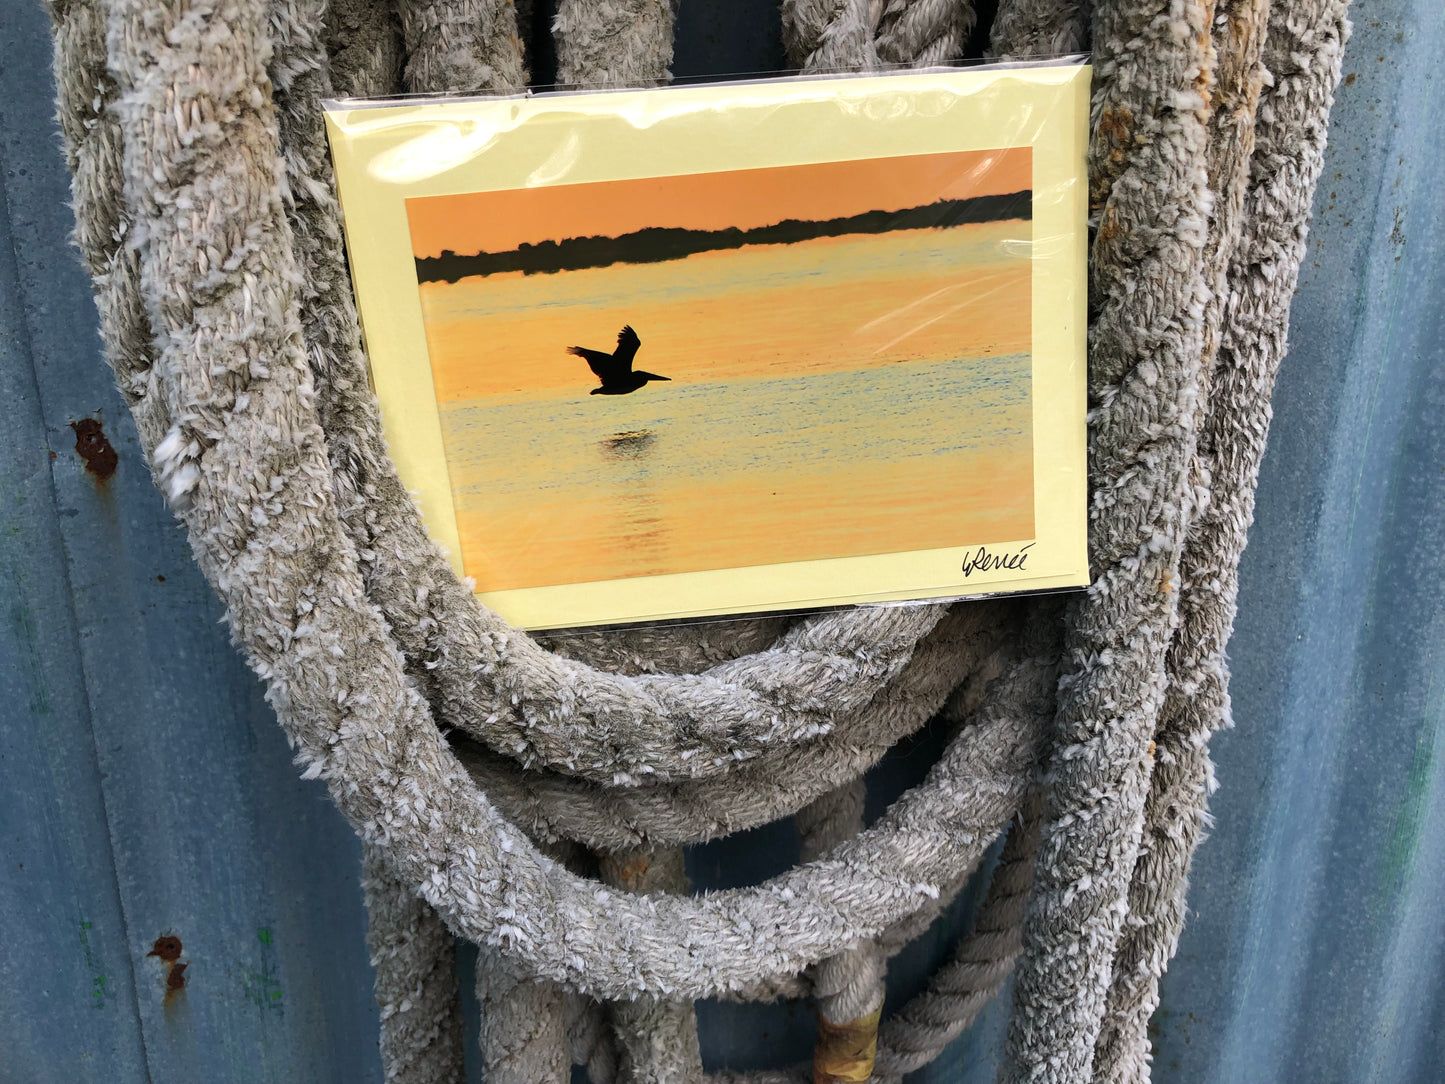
(499, 221)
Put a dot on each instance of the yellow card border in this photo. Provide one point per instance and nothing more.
(387, 152)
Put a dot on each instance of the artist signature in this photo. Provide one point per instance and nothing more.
(980, 560)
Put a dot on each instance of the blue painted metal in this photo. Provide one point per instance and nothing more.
(211, 836)
(145, 789)
(65, 974)
(1317, 948)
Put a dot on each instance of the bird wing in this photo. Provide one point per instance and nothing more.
(627, 344)
(604, 365)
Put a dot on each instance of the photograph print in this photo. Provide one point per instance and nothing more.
(725, 370)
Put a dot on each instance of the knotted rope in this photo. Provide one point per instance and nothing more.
(206, 215)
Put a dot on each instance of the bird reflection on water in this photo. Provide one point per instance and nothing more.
(631, 445)
(637, 513)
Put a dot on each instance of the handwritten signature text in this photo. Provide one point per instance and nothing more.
(980, 560)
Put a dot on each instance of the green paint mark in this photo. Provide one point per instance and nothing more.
(37, 686)
(262, 986)
(100, 994)
(1399, 855)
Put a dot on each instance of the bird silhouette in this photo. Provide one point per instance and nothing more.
(615, 369)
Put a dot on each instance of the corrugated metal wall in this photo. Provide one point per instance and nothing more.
(145, 791)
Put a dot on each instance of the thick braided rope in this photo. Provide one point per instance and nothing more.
(831, 35)
(552, 806)
(848, 986)
(256, 506)
(93, 144)
(1180, 780)
(620, 43)
(1302, 54)
(416, 981)
(523, 1036)
(1237, 38)
(963, 706)
(1148, 182)
(521, 1023)
(525, 1032)
(674, 649)
(655, 1038)
(416, 987)
(364, 44)
(542, 710)
(591, 1047)
(920, 1031)
(1023, 28)
(980, 963)
(461, 46)
(923, 32)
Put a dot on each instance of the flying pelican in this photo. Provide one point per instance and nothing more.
(615, 369)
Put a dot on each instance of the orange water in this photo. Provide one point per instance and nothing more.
(835, 398)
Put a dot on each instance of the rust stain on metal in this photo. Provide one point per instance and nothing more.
(92, 446)
(167, 949)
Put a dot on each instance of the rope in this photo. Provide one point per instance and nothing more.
(205, 214)
(1238, 31)
(523, 1037)
(980, 964)
(552, 806)
(835, 35)
(461, 46)
(364, 44)
(1025, 28)
(677, 649)
(94, 154)
(848, 985)
(1303, 58)
(919, 33)
(623, 43)
(1148, 188)
(414, 956)
(656, 1039)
